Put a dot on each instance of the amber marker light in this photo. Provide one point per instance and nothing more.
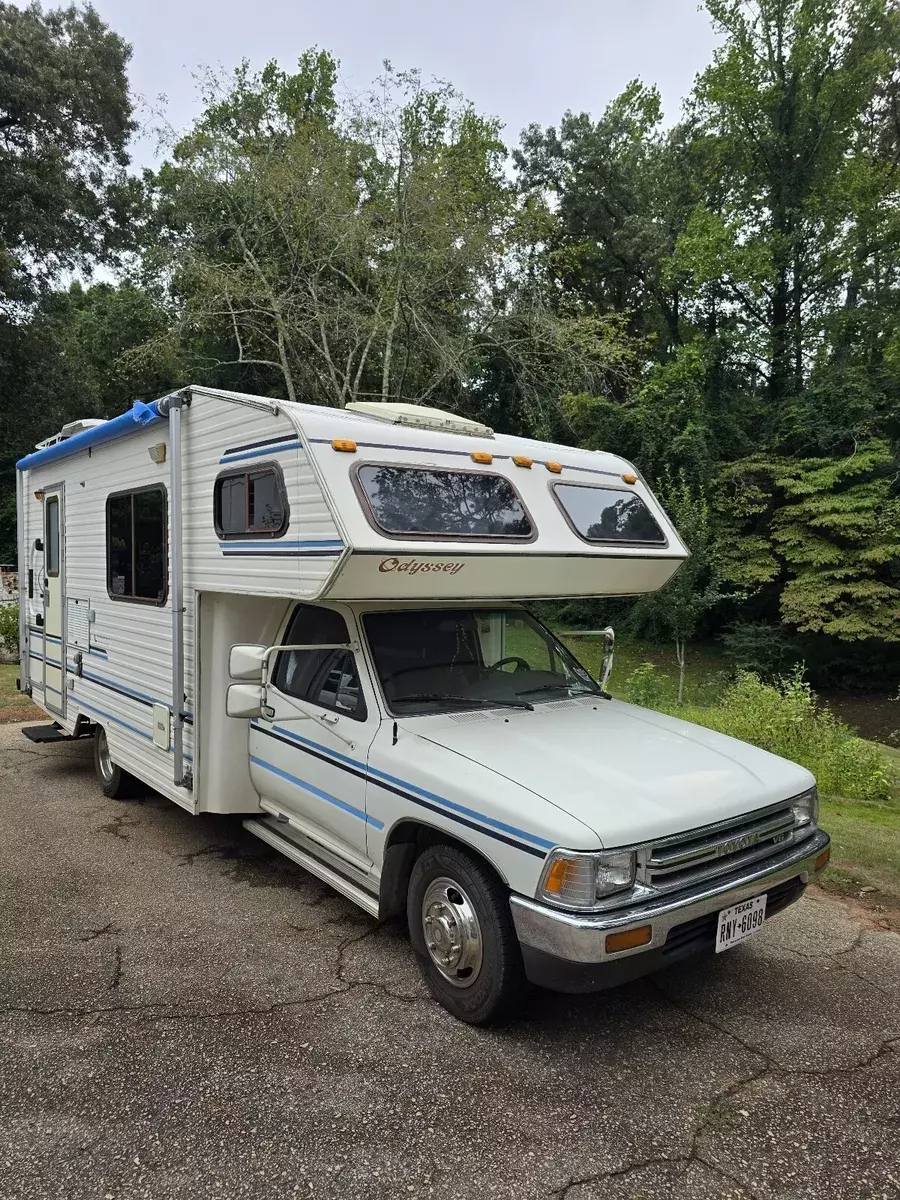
(554, 467)
(521, 461)
(482, 456)
(629, 477)
(628, 939)
(822, 860)
(557, 876)
(345, 445)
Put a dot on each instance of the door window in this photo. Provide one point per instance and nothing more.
(52, 536)
(326, 678)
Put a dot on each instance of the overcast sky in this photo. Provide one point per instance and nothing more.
(520, 60)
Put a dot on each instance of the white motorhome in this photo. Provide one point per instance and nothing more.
(316, 618)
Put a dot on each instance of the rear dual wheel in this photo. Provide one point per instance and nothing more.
(114, 782)
(462, 932)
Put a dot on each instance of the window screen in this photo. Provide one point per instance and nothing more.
(136, 548)
(608, 514)
(251, 503)
(424, 502)
(327, 678)
(51, 516)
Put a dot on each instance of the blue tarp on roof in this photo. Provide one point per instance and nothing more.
(132, 421)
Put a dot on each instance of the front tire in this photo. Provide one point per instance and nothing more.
(114, 782)
(462, 932)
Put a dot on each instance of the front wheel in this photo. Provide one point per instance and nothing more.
(114, 782)
(462, 932)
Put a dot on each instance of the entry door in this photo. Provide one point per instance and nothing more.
(54, 649)
(306, 765)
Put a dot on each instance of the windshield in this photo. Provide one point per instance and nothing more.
(450, 659)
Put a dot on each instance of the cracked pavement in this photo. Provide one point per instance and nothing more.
(185, 1014)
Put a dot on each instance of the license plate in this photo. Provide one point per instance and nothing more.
(739, 922)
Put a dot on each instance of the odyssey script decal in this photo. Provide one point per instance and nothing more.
(412, 566)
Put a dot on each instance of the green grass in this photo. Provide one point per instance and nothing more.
(13, 705)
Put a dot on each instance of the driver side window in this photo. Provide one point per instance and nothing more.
(326, 678)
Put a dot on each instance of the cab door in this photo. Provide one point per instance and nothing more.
(53, 649)
(313, 768)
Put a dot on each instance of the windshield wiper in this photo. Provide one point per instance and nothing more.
(428, 696)
(561, 687)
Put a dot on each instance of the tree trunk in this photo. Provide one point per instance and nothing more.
(680, 655)
(389, 348)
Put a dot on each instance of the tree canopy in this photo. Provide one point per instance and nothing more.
(717, 299)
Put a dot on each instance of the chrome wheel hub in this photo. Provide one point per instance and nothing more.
(103, 756)
(452, 932)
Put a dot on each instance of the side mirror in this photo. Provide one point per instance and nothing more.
(609, 644)
(244, 700)
(246, 662)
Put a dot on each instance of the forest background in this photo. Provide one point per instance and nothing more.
(717, 300)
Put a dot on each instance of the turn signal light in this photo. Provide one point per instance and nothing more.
(521, 461)
(628, 939)
(345, 445)
(557, 876)
(555, 467)
(822, 860)
(629, 477)
(482, 456)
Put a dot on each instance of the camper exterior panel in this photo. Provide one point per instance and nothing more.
(459, 575)
(127, 667)
(226, 436)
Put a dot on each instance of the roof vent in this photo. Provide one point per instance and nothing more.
(419, 416)
(69, 430)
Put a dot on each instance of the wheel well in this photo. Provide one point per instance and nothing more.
(404, 844)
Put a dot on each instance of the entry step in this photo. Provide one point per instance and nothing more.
(47, 733)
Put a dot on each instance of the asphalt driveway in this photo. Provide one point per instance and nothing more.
(185, 1014)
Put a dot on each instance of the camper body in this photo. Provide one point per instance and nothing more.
(318, 618)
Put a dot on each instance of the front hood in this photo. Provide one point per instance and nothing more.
(628, 773)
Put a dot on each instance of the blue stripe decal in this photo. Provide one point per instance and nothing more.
(267, 545)
(98, 653)
(411, 787)
(79, 703)
(263, 452)
(51, 637)
(354, 812)
(51, 662)
(121, 687)
(55, 691)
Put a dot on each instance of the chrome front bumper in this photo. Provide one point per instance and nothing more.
(581, 938)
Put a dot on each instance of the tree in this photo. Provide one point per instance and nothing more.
(65, 120)
(698, 586)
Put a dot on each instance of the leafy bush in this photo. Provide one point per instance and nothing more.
(784, 717)
(647, 687)
(767, 650)
(9, 628)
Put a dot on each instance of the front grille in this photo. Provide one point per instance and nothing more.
(716, 850)
(700, 934)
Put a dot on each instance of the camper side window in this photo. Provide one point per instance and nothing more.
(251, 503)
(327, 678)
(136, 549)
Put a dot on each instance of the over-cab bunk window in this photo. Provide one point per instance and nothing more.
(608, 514)
(137, 566)
(251, 503)
(433, 503)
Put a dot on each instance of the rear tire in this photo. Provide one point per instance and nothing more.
(114, 782)
(462, 932)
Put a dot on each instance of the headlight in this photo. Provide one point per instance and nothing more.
(574, 880)
(806, 809)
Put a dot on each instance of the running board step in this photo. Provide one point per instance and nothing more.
(47, 733)
(365, 900)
